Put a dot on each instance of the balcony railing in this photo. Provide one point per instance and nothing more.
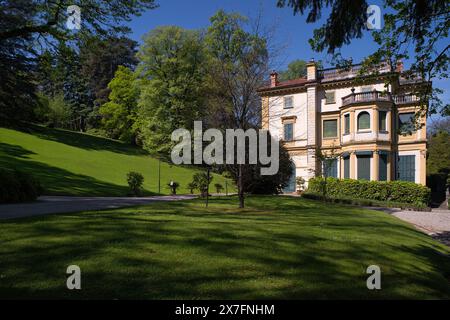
(352, 71)
(369, 96)
(406, 98)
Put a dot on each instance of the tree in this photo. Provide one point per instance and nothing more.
(326, 159)
(238, 66)
(119, 114)
(100, 59)
(414, 29)
(438, 164)
(191, 186)
(295, 69)
(202, 182)
(172, 82)
(42, 18)
(29, 28)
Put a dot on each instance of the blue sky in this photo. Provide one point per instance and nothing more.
(292, 31)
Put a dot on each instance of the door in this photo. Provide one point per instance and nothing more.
(290, 187)
(406, 168)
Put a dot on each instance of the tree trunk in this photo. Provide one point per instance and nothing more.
(240, 188)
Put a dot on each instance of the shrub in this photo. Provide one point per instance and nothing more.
(135, 181)
(173, 185)
(218, 187)
(395, 191)
(201, 182)
(191, 186)
(17, 186)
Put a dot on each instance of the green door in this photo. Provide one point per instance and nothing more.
(364, 167)
(406, 168)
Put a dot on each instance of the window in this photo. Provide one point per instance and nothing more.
(288, 102)
(346, 167)
(288, 131)
(382, 120)
(331, 166)
(364, 167)
(406, 122)
(330, 97)
(346, 124)
(330, 128)
(363, 121)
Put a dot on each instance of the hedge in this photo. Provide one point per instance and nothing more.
(367, 203)
(17, 186)
(394, 191)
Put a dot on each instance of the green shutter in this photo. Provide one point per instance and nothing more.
(364, 167)
(347, 168)
(329, 128)
(406, 168)
(383, 167)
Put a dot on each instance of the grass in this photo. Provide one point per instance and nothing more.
(70, 163)
(276, 248)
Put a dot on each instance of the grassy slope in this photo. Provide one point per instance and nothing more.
(278, 247)
(69, 163)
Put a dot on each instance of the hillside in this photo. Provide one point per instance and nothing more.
(70, 163)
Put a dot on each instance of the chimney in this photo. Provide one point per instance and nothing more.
(399, 67)
(311, 70)
(273, 79)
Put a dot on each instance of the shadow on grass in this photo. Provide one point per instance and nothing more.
(172, 251)
(57, 181)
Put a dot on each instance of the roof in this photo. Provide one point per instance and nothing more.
(299, 82)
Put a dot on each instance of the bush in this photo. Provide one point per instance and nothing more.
(201, 182)
(17, 186)
(394, 191)
(367, 203)
(218, 187)
(135, 181)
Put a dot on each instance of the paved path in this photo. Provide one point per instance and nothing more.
(62, 204)
(435, 223)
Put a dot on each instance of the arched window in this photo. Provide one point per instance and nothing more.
(363, 120)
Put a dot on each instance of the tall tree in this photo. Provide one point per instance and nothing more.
(119, 114)
(295, 69)
(238, 66)
(172, 83)
(30, 27)
(413, 29)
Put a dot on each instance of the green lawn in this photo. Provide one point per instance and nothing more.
(69, 163)
(278, 247)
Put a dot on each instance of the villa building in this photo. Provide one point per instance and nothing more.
(365, 122)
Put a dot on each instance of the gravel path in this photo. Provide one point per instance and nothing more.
(62, 204)
(435, 223)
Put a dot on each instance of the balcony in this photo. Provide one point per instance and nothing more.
(406, 98)
(370, 96)
(331, 74)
